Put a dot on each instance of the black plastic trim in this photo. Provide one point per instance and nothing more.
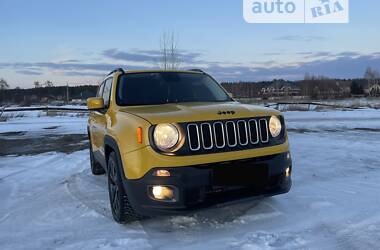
(197, 187)
(116, 70)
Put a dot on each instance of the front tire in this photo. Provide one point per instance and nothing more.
(122, 210)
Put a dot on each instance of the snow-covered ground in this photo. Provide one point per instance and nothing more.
(40, 122)
(293, 103)
(330, 121)
(43, 124)
(51, 201)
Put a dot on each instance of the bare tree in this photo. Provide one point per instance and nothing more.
(371, 74)
(307, 76)
(48, 84)
(3, 84)
(170, 55)
(37, 84)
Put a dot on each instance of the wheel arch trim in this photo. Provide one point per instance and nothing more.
(110, 142)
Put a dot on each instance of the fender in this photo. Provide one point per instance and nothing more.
(111, 144)
(97, 155)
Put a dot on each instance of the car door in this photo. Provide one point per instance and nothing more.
(93, 119)
(102, 116)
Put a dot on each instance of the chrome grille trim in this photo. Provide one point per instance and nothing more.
(223, 135)
(234, 126)
(218, 132)
(246, 132)
(211, 140)
(266, 130)
(188, 136)
(250, 132)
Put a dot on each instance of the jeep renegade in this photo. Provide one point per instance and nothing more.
(172, 141)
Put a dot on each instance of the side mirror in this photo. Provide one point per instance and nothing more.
(230, 95)
(95, 103)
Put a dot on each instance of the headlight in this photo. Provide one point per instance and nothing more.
(275, 126)
(166, 136)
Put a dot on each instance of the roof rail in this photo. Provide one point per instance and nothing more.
(116, 70)
(197, 70)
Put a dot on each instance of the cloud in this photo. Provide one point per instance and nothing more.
(70, 61)
(319, 54)
(82, 73)
(149, 56)
(298, 38)
(337, 67)
(102, 67)
(349, 54)
(329, 54)
(305, 53)
(67, 69)
(131, 57)
(29, 72)
(273, 53)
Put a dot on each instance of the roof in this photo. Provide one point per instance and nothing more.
(163, 70)
(121, 71)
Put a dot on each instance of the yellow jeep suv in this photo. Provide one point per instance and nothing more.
(171, 141)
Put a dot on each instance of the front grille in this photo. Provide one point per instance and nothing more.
(230, 134)
(193, 137)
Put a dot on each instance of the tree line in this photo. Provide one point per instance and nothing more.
(315, 87)
(312, 86)
(47, 95)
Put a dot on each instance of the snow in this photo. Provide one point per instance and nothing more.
(366, 119)
(352, 103)
(51, 200)
(37, 123)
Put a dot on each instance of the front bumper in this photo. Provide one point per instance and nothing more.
(208, 184)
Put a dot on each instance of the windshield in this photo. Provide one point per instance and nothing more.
(168, 87)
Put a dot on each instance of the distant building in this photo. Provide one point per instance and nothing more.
(78, 101)
(280, 88)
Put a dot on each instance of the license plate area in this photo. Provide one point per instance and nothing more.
(240, 174)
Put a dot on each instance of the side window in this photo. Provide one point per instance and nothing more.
(100, 90)
(107, 92)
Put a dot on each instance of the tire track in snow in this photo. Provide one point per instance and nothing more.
(91, 193)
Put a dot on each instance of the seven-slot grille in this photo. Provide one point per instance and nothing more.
(227, 134)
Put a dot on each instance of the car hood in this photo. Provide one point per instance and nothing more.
(188, 112)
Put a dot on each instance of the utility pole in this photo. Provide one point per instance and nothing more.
(67, 93)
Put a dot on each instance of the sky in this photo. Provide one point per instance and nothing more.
(79, 41)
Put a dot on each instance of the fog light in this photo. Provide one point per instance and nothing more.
(163, 193)
(287, 172)
(161, 173)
